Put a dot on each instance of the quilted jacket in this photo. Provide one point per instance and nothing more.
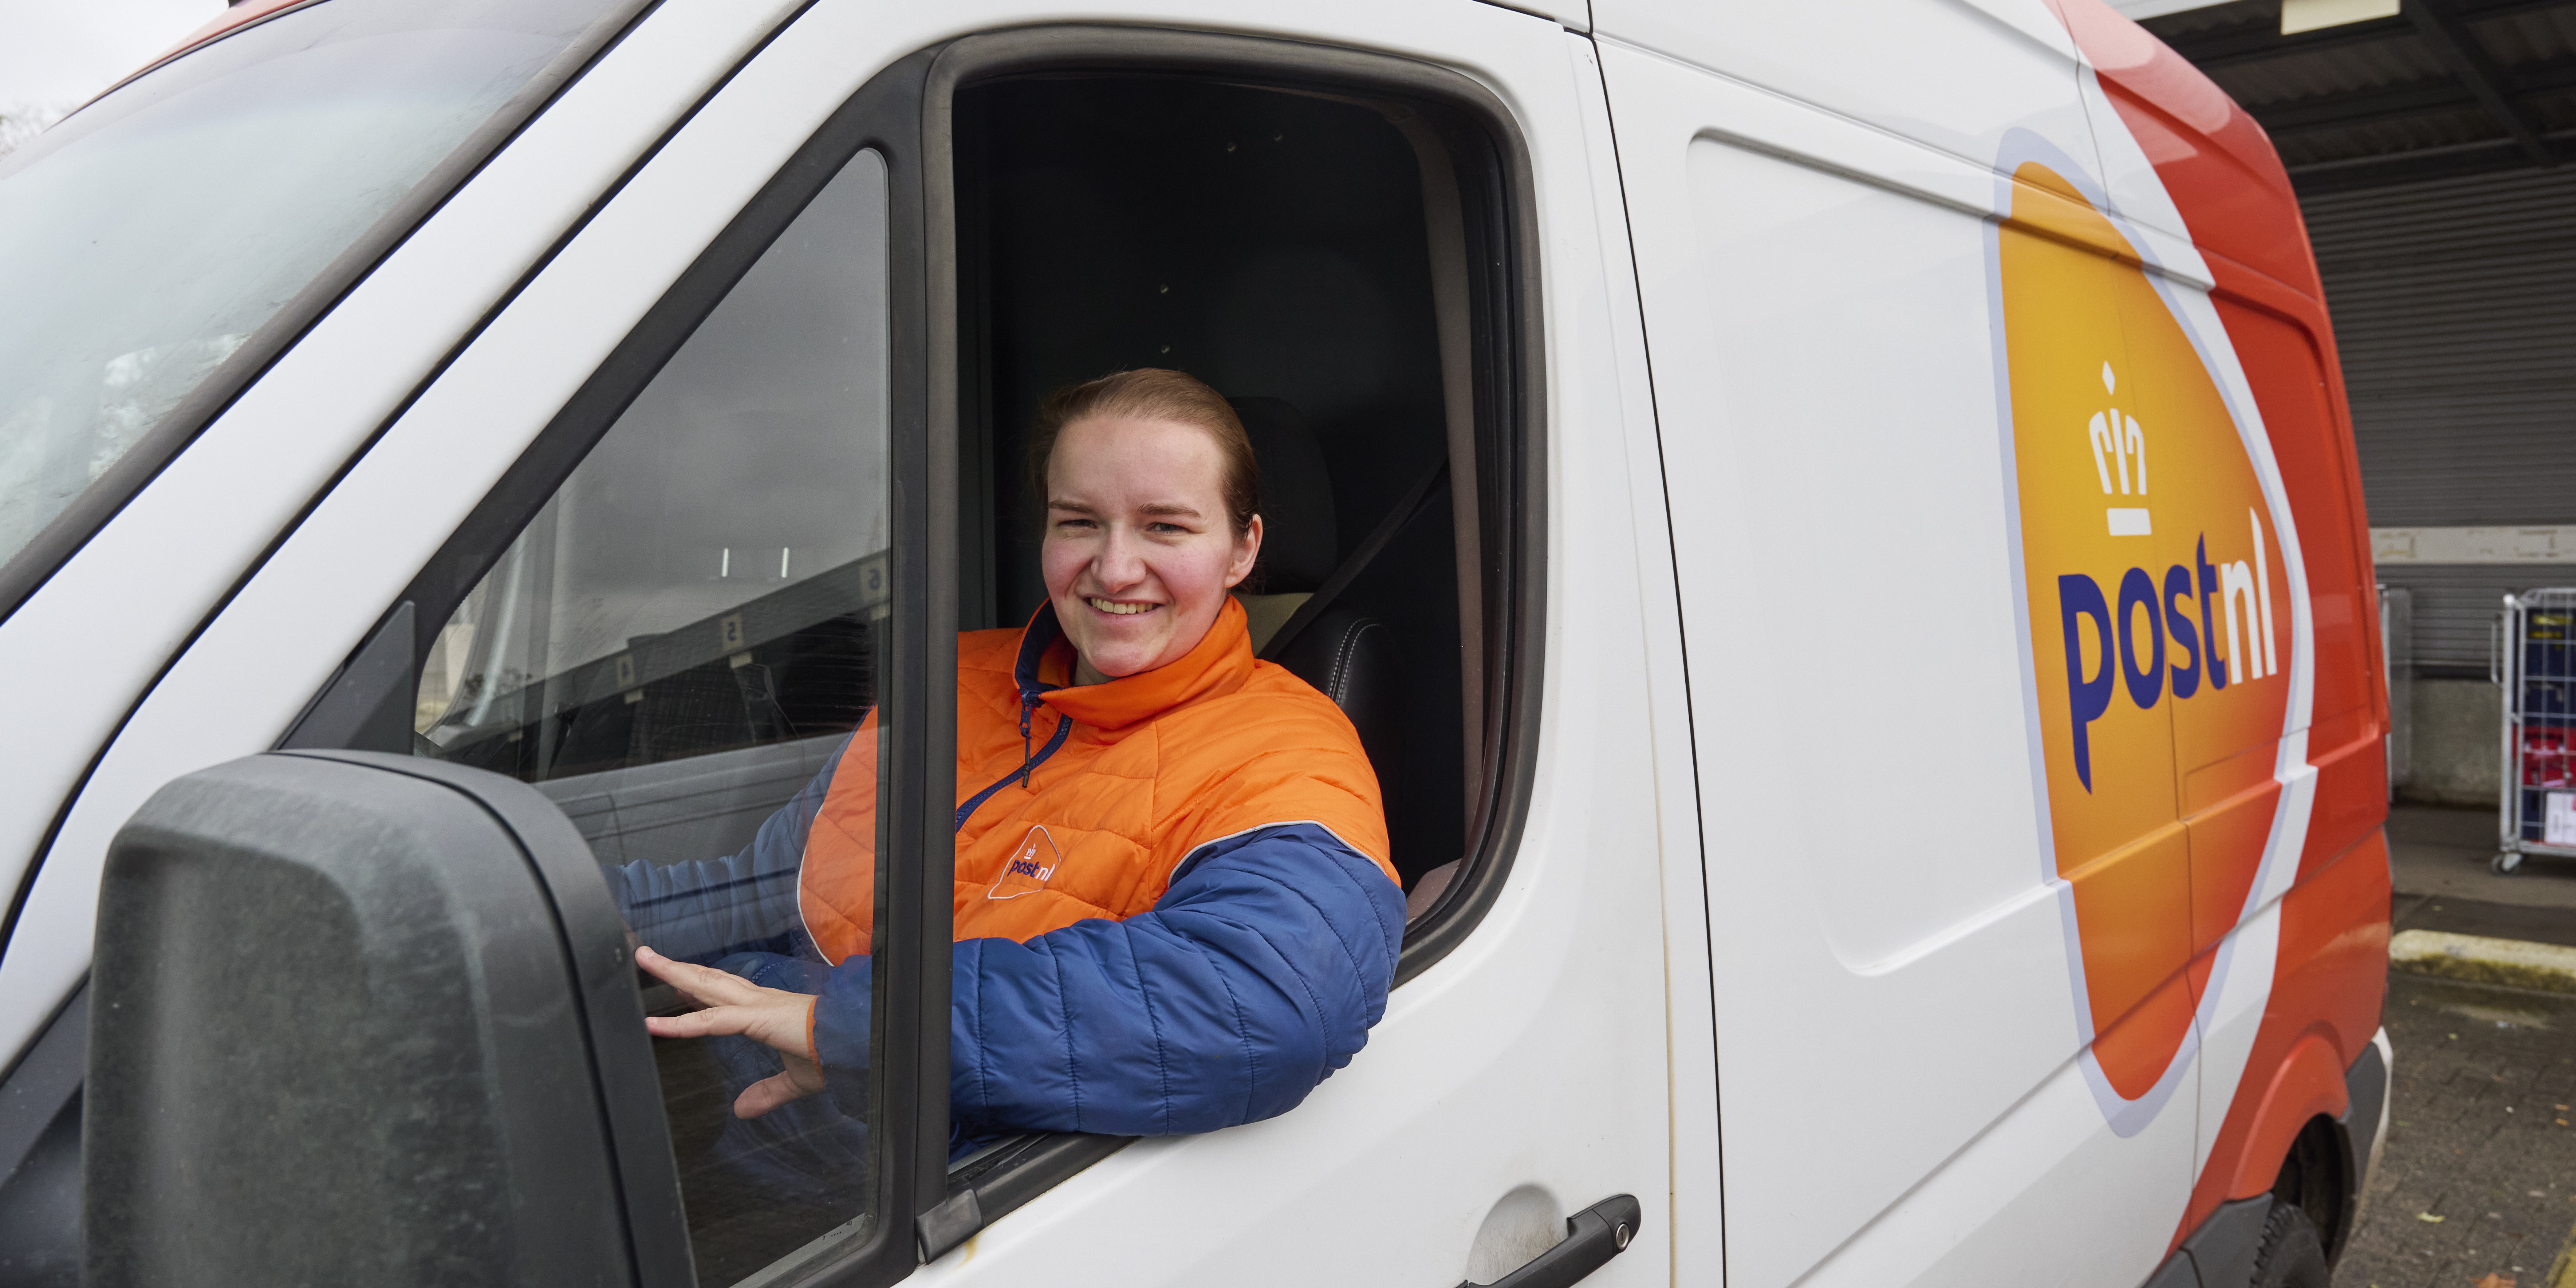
(1173, 910)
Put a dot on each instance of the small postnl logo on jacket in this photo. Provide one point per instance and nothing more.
(1030, 867)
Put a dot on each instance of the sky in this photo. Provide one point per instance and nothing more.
(57, 53)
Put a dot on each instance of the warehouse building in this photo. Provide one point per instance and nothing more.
(2430, 143)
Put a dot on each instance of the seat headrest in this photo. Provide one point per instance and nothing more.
(1299, 543)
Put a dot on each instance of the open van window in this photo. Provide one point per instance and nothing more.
(200, 213)
(1306, 255)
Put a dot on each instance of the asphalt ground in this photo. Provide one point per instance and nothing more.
(2478, 1131)
(2478, 1138)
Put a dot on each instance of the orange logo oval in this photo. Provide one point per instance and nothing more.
(2159, 622)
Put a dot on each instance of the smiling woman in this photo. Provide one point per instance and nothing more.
(1151, 515)
(1176, 914)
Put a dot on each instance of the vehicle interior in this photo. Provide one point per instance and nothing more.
(1274, 245)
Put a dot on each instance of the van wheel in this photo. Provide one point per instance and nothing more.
(2291, 1255)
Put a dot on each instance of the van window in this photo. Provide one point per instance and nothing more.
(147, 237)
(1337, 256)
(682, 638)
(1279, 247)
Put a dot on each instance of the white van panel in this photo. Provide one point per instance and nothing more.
(81, 652)
(1573, 15)
(1697, 1236)
(1863, 430)
(2044, 1197)
(1951, 74)
(1827, 379)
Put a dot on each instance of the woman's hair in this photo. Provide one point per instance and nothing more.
(1153, 393)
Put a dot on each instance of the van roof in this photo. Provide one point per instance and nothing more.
(2195, 134)
(2200, 140)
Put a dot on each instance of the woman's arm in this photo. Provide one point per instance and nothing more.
(1257, 974)
(701, 909)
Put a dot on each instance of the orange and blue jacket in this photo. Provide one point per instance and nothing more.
(1173, 907)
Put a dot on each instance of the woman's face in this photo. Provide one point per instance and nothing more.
(1138, 553)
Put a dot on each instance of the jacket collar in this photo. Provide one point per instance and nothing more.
(1219, 665)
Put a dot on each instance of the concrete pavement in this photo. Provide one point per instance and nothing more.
(2445, 852)
(2479, 1173)
(2477, 1136)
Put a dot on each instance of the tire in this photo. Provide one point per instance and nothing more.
(2505, 862)
(2291, 1256)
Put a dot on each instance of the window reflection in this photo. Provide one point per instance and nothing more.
(678, 643)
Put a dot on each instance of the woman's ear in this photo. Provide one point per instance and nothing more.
(1247, 552)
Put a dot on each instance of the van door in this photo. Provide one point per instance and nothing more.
(1956, 1027)
(1520, 1075)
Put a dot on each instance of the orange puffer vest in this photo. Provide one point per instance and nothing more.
(1133, 775)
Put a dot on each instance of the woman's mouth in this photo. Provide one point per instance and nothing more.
(1116, 609)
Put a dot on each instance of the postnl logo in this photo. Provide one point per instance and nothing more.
(1029, 868)
(2158, 614)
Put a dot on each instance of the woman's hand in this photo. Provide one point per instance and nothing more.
(771, 1016)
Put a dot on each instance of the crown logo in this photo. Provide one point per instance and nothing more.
(2117, 444)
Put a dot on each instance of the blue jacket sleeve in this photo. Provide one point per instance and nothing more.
(1258, 973)
(699, 910)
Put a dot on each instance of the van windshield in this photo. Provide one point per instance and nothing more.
(146, 237)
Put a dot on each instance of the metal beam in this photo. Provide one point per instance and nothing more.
(2406, 167)
(2141, 10)
(2330, 111)
(2259, 41)
(2260, 38)
(2448, 161)
(2449, 36)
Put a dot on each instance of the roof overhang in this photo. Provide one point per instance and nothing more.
(2443, 88)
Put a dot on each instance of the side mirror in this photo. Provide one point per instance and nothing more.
(365, 1019)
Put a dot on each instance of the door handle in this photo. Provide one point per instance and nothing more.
(1592, 1237)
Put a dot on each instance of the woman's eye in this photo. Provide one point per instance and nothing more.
(1165, 528)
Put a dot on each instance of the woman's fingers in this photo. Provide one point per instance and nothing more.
(777, 1019)
(715, 1021)
(733, 1005)
(704, 985)
(800, 1080)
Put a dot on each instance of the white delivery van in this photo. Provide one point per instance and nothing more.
(1836, 523)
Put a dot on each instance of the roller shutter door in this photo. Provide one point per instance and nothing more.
(2454, 306)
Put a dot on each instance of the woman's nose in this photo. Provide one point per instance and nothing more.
(1121, 563)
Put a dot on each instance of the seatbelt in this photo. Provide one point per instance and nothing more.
(1351, 568)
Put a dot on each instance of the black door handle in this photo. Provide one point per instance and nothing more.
(1592, 1237)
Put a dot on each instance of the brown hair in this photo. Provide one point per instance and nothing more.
(1154, 393)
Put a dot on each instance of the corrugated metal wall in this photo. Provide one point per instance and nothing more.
(2454, 304)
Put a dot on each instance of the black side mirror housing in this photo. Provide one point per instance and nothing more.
(365, 1019)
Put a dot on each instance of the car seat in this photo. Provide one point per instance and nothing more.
(1347, 655)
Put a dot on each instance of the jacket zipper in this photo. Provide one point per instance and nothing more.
(1028, 763)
